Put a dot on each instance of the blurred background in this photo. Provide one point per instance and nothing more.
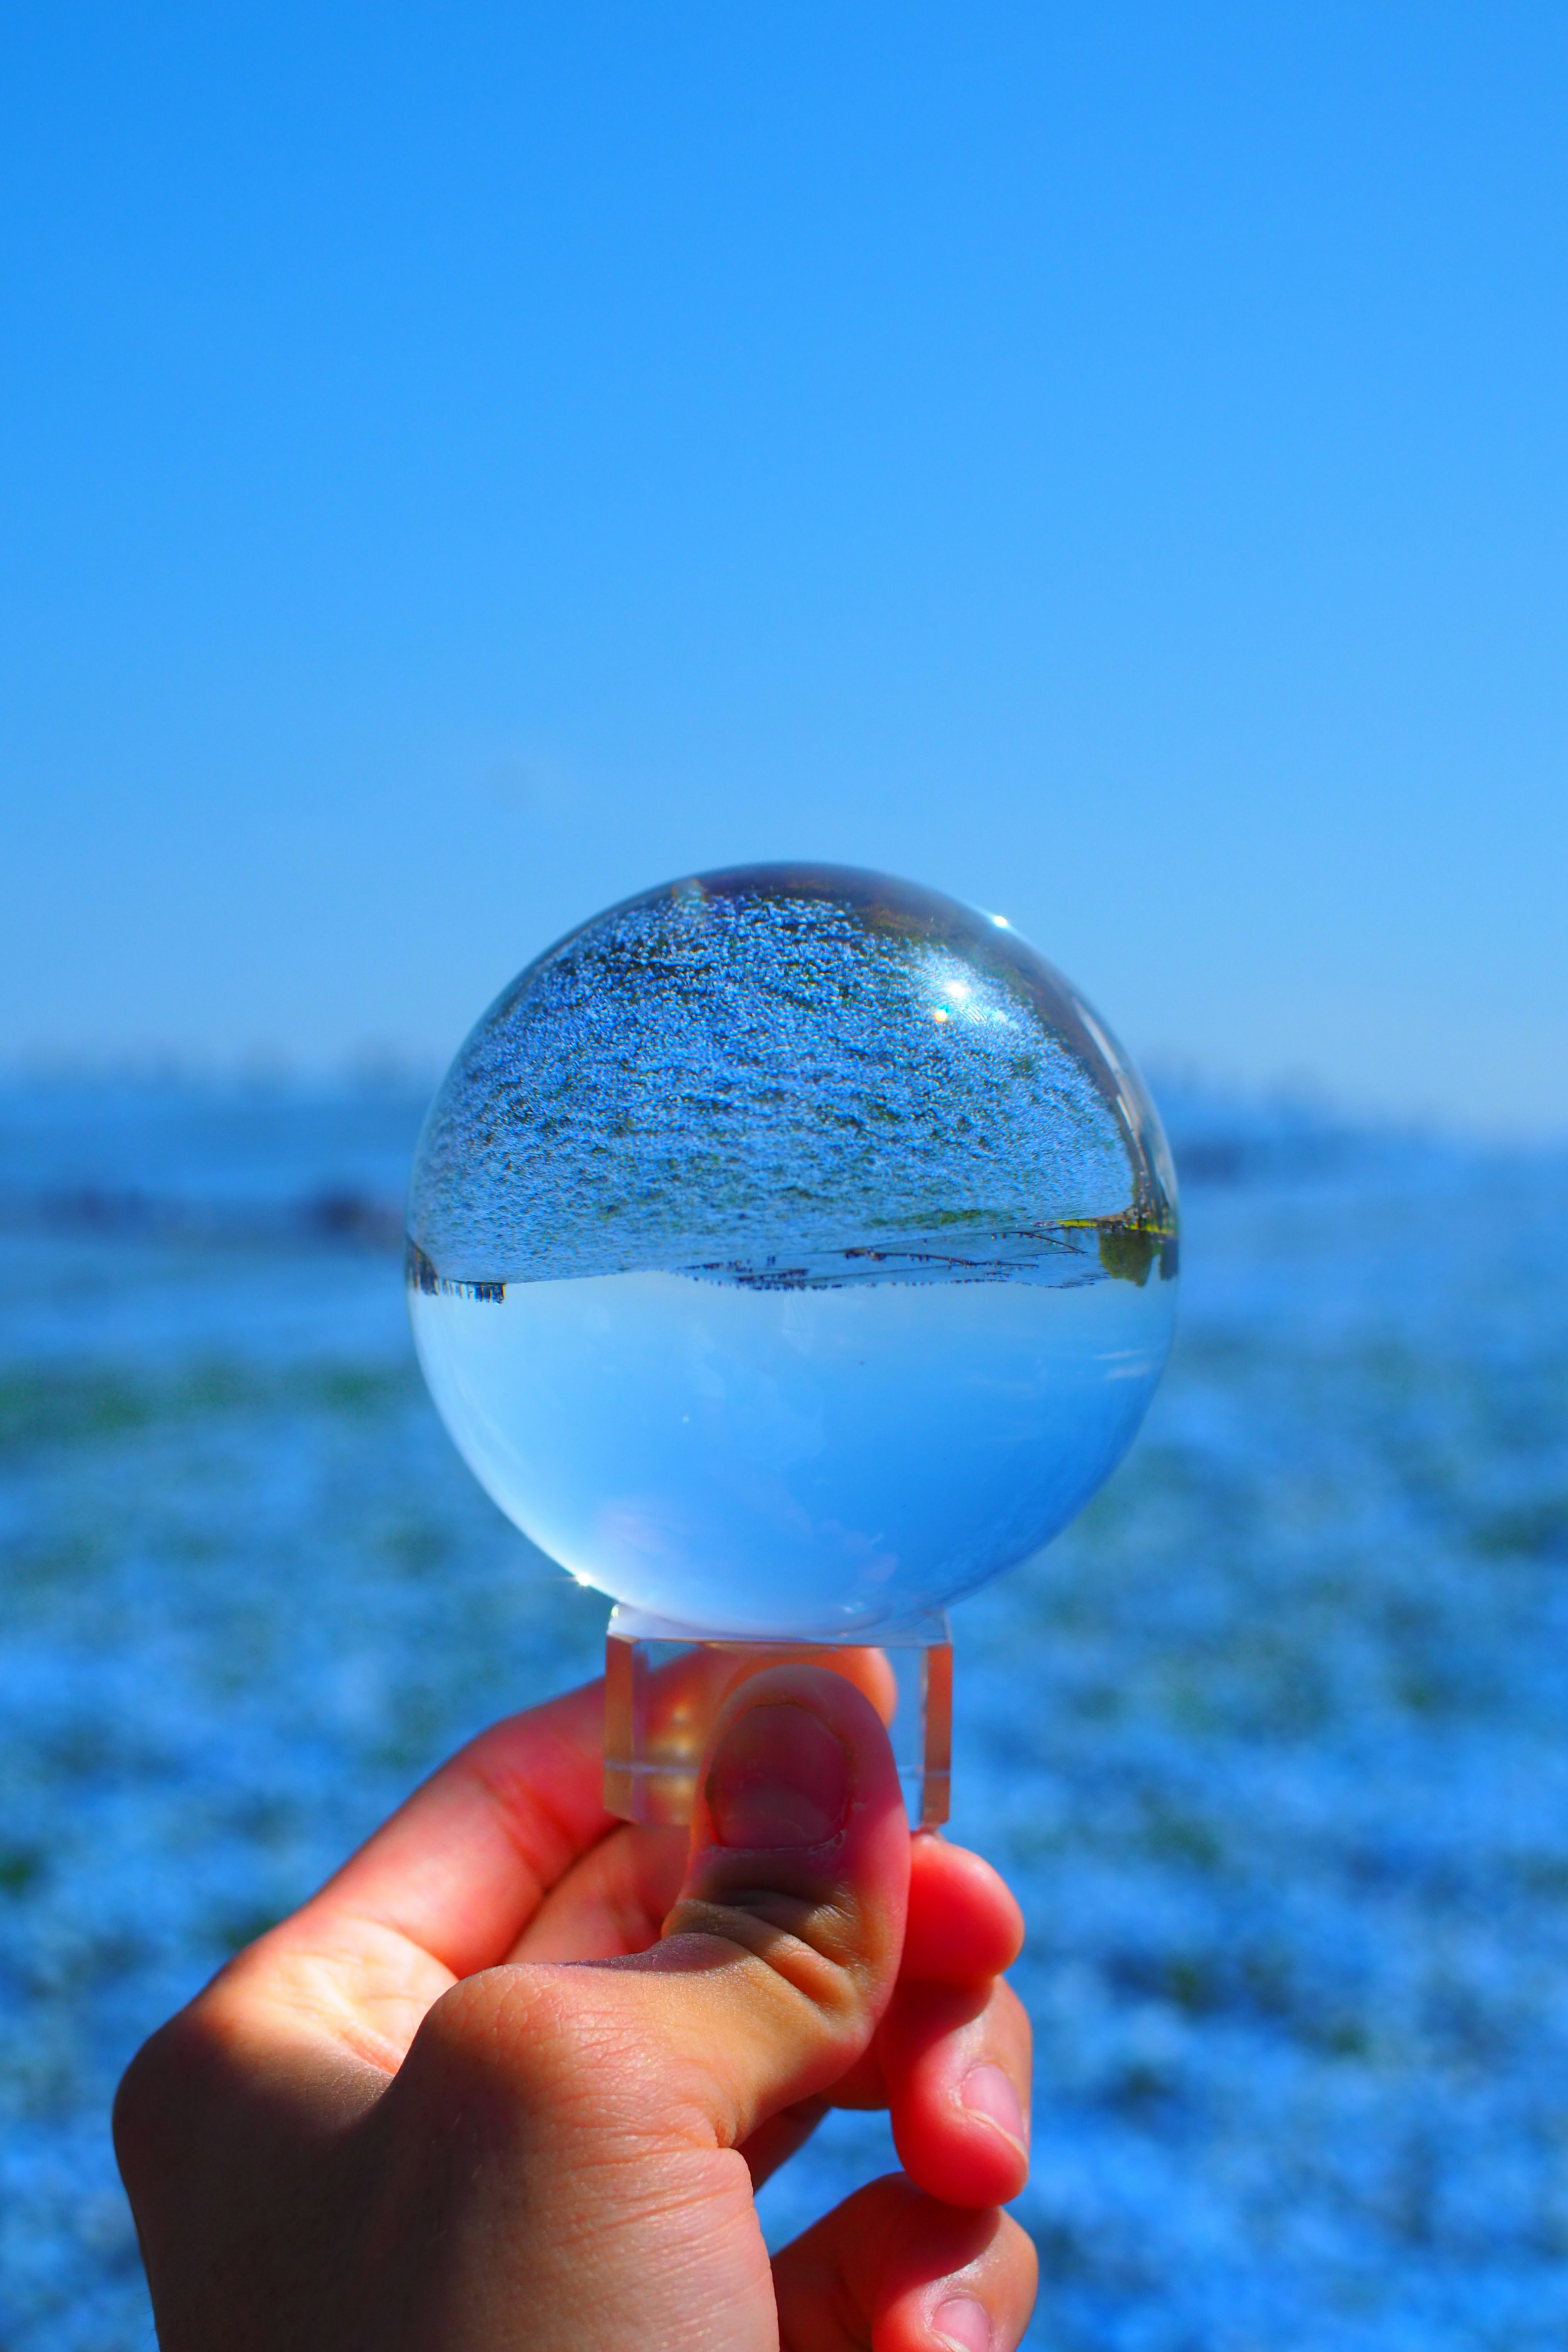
(459, 467)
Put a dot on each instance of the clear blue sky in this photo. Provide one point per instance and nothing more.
(462, 463)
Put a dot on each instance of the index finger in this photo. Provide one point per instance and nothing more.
(460, 1868)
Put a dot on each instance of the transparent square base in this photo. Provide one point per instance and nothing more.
(664, 1683)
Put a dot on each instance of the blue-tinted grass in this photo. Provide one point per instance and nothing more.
(1274, 1743)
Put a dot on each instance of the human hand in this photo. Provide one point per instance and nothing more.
(509, 2079)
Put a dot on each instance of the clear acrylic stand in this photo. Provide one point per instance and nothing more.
(665, 1682)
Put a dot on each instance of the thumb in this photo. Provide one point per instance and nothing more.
(786, 1935)
(574, 2122)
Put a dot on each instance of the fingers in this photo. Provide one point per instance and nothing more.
(784, 1940)
(961, 1926)
(786, 1933)
(963, 1923)
(952, 2064)
(459, 1870)
(957, 2062)
(581, 2106)
(612, 1901)
(444, 1889)
(782, 2137)
(896, 2270)
(952, 2058)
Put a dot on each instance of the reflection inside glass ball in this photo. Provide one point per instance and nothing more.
(791, 1251)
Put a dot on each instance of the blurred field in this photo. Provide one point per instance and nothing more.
(1273, 1743)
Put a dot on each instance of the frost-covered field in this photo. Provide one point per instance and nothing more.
(1274, 1744)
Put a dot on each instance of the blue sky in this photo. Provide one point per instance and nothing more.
(462, 464)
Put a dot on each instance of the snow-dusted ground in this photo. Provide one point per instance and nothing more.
(1274, 1743)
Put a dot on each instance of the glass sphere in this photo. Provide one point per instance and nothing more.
(791, 1250)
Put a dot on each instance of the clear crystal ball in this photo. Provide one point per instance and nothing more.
(792, 1250)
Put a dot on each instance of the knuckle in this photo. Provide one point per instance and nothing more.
(527, 2049)
(805, 1953)
(167, 2087)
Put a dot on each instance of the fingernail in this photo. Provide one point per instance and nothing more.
(987, 2091)
(779, 1776)
(963, 2324)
